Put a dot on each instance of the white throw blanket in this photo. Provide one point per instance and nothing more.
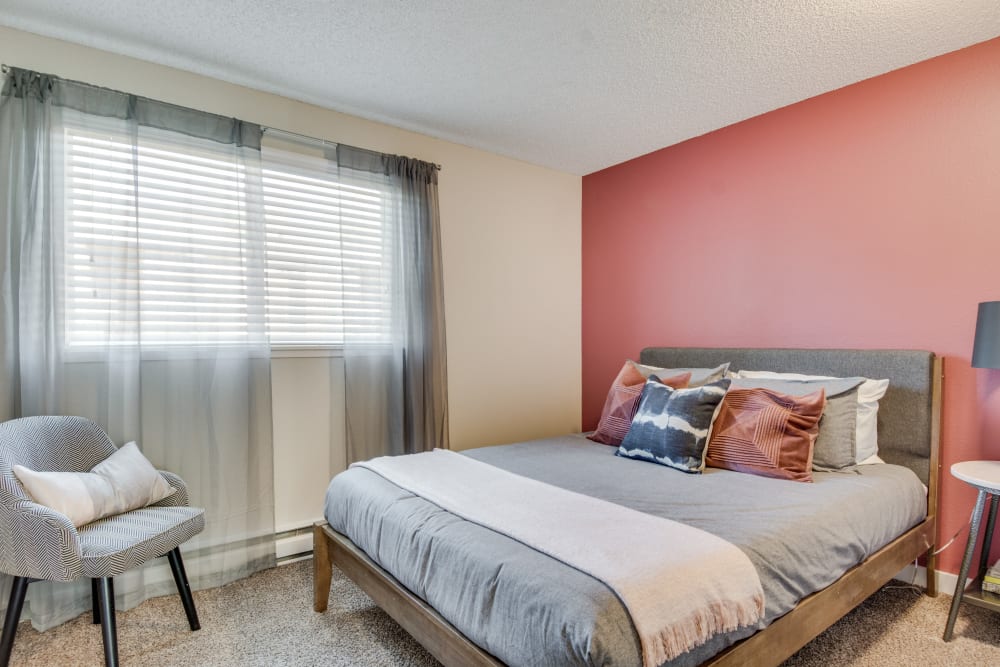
(680, 584)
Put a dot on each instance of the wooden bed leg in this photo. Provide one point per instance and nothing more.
(934, 472)
(932, 589)
(322, 568)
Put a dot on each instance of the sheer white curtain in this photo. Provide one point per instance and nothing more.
(364, 259)
(396, 381)
(133, 293)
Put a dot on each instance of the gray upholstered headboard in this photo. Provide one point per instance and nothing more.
(906, 415)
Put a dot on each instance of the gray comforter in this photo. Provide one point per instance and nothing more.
(529, 609)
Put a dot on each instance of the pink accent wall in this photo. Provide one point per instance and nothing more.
(867, 217)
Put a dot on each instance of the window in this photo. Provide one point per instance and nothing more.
(182, 258)
(156, 244)
(328, 253)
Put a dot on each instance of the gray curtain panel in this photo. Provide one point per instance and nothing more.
(99, 337)
(396, 386)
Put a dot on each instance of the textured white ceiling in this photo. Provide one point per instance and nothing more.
(577, 85)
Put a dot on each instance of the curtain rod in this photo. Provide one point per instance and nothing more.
(5, 68)
(302, 137)
(305, 138)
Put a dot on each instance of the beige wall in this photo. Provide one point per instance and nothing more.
(511, 244)
(511, 236)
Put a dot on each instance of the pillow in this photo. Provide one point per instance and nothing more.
(124, 481)
(699, 376)
(836, 444)
(869, 393)
(671, 425)
(622, 400)
(766, 433)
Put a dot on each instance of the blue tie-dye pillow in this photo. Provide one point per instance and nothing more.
(670, 426)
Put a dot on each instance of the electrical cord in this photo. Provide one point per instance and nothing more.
(953, 538)
(912, 586)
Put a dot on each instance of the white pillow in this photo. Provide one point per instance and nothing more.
(869, 393)
(124, 481)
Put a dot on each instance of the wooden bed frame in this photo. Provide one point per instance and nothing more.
(766, 648)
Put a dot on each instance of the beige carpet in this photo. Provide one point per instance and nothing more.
(268, 620)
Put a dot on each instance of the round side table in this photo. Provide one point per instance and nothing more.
(984, 476)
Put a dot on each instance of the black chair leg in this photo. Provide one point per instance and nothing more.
(94, 601)
(109, 629)
(17, 591)
(180, 578)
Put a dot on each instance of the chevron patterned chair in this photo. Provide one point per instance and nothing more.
(37, 543)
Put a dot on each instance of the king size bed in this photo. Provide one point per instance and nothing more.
(478, 595)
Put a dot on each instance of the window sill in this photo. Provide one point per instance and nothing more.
(296, 352)
(89, 356)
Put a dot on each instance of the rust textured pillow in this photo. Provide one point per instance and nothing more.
(623, 400)
(766, 433)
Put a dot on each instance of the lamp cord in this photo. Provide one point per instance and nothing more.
(953, 538)
(912, 585)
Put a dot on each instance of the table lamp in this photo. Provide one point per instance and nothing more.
(986, 349)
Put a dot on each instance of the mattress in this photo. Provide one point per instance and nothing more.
(526, 608)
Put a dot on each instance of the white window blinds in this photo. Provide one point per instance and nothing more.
(155, 233)
(156, 244)
(328, 253)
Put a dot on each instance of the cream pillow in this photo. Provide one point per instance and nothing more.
(124, 481)
(869, 393)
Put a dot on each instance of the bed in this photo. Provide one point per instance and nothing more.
(489, 614)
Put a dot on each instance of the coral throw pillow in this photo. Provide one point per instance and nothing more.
(623, 400)
(766, 433)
